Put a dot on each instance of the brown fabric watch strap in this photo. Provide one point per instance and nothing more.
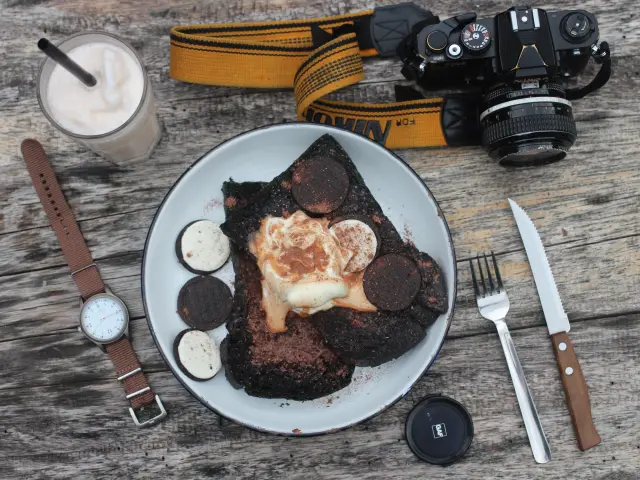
(83, 270)
(129, 370)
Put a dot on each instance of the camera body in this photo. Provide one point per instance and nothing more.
(518, 61)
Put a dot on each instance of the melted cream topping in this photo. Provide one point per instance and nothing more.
(303, 269)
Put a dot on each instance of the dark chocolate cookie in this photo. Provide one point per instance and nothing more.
(392, 282)
(204, 302)
(319, 184)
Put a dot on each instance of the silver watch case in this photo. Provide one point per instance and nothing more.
(125, 330)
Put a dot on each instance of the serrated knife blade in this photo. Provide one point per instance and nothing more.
(554, 313)
(573, 381)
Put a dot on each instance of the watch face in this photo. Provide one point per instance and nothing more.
(104, 318)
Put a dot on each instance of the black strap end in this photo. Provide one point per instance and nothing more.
(460, 120)
(391, 24)
(602, 56)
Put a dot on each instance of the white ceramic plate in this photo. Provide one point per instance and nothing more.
(260, 155)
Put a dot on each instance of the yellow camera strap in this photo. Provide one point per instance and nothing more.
(316, 57)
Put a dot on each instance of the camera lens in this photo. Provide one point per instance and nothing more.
(527, 126)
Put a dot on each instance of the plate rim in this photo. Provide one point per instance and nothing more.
(449, 318)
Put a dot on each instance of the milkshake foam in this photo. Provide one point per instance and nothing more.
(104, 107)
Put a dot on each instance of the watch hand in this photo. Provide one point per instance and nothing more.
(104, 318)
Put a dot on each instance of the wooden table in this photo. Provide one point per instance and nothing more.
(62, 413)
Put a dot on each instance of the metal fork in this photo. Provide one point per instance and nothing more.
(493, 305)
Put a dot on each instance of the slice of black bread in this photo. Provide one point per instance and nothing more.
(296, 364)
(360, 338)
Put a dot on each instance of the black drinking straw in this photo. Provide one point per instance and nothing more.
(61, 58)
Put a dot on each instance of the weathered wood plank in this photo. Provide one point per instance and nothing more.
(226, 117)
(589, 277)
(587, 194)
(96, 188)
(84, 428)
(62, 414)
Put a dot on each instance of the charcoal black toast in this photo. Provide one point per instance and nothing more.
(359, 338)
(296, 364)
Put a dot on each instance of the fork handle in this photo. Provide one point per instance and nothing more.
(537, 439)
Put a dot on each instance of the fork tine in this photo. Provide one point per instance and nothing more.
(473, 277)
(495, 267)
(486, 262)
(484, 285)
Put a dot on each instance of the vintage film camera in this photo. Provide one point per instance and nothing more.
(518, 62)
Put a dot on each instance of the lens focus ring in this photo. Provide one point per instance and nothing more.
(526, 124)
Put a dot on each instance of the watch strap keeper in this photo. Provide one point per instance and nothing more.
(129, 372)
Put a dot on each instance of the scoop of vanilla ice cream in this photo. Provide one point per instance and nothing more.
(301, 260)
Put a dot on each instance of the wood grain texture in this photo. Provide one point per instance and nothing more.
(80, 426)
(63, 415)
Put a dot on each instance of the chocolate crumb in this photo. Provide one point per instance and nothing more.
(211, 205)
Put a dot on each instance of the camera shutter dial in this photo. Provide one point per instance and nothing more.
(577, 27)
(475, 37)
(437, 41)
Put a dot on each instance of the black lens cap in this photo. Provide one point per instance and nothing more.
(439, 430)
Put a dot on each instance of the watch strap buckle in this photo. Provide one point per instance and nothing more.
(152, 421)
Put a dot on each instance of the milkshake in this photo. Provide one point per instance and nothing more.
(116, 118)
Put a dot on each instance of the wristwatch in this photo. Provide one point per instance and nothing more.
(104, 318)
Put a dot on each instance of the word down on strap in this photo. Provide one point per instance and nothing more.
(316, 57)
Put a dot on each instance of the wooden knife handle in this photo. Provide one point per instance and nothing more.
(575, 389)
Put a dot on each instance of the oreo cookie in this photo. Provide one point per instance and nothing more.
(204, 302)
(197, 355)
(319, 184)
(202, 248)
(359, 234)
(392, 282)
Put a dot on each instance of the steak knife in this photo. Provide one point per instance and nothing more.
(573, 381)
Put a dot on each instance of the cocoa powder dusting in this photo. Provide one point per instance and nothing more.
(211, 205)
(319, 207)
(231, 202)
(298, 260)
(408, 235)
